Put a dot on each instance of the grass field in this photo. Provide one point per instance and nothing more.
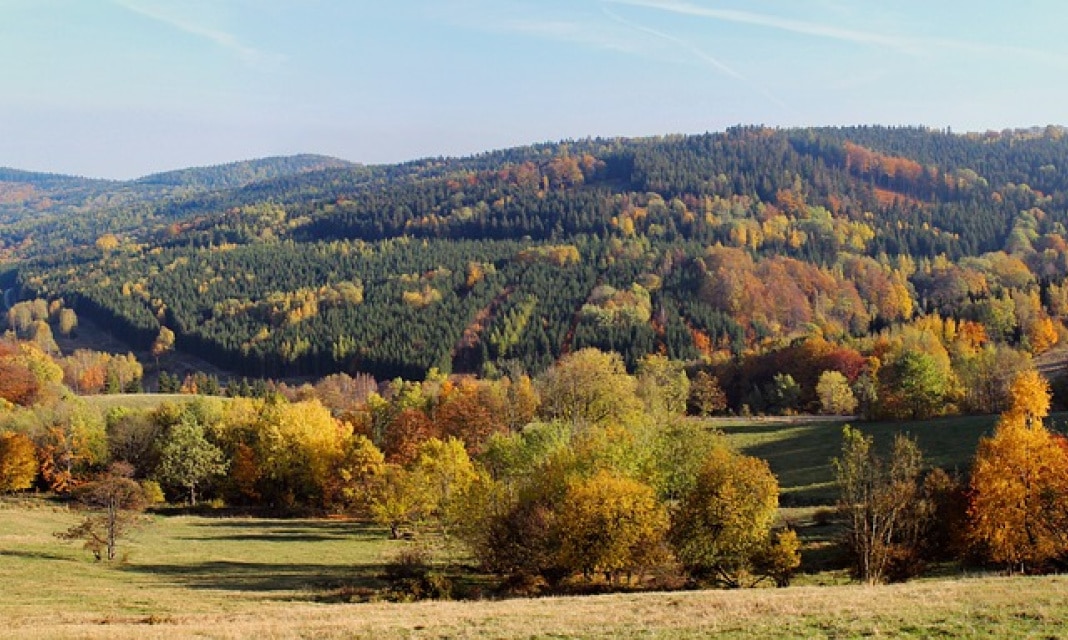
(799, 452)
(189, 576)
(137, 400)
(228, 577)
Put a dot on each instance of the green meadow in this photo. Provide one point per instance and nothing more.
(219, 576)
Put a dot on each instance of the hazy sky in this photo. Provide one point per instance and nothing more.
(122, 88)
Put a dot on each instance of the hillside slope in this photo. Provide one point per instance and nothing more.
(696, 246)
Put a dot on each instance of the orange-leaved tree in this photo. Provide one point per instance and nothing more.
(1019, 488)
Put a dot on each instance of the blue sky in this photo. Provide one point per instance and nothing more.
(122, 88)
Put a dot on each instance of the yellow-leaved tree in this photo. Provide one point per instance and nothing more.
(723, 525)
(1019, 506)
(613, 524)
(18, 462)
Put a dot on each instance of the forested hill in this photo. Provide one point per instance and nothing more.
(51, 211)
(701, 247)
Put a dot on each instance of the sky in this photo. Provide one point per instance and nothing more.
(123, 88)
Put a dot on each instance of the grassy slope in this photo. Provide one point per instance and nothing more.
(800, 452)
(137, 400)
(193, 576)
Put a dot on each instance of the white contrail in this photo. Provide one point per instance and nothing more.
(910, 45)
(699, 54)
(222, 39)
(774, 22)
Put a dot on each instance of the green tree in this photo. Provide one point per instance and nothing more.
(187, 459)
(443, 473)
(724, 522)
(783, 394)
(914, 386)
(680, 449)
(398, 500)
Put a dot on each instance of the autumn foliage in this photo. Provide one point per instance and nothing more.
(1019, 487)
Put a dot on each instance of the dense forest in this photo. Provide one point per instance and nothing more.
(704, 248)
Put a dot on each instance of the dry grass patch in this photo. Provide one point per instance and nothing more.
(981, 607)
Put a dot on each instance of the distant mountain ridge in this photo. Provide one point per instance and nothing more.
(238, 174)
(36, 204)
(220, 176)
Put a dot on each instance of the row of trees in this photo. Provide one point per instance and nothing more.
(1009, 510)
(587, 471)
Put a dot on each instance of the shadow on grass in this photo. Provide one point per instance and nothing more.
(289, 531)
(270, 537)
(264, 577)
(801, 457)
(36, 555)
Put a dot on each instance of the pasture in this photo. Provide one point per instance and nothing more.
(194, 576)
(231, 577)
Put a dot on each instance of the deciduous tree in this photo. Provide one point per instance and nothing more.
(18, 462)
(881, 502)
(188, 459)
(835, 394)
(724, 522)
(611, 525)
(1019, 484)
(706, 395)
(113, 501)
(587, 388)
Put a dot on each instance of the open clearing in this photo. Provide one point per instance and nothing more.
(800, 451)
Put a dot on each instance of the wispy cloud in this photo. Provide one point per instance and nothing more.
(697, 53)
(583, 27)
(803, 27)
(912, 45)
(250, 55)
(572, 31)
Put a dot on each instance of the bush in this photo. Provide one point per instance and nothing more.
(152, 492)
(413, 561)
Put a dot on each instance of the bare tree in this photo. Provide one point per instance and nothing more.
(882, 502)
(113, 502)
